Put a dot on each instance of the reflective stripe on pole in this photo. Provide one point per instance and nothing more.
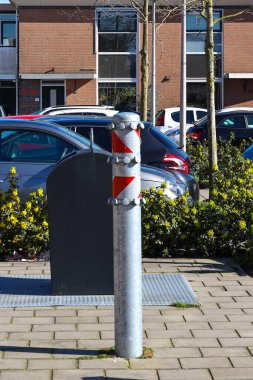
(127, 234)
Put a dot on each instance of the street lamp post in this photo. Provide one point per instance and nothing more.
(153, 85)
(183, 79)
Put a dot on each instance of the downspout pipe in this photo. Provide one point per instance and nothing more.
(17, 60)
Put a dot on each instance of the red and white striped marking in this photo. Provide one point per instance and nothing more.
(126, 187)
(131, 141)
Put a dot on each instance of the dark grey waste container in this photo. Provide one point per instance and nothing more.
(80, 225)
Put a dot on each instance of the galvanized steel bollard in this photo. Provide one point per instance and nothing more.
(126, 202)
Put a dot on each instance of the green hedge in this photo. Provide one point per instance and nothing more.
(221, 226)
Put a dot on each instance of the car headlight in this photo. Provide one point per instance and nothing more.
(174, 189)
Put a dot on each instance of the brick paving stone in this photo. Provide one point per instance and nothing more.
(30, 335)
(55, 327)
(205, 362)
(32, 320)
(243, 299)
(77, 335)
(95, 326)
(230, 325)
(232, 373)
(219, 300)
(242, 362)
(154, 326)
(131, 374)
(225, 352)
(177, 352)
(231, 293)
(109, 363)
(187, 326)
(96, 312)
(95, 344)
(79, 374)
(170, 334)
(224, 311)
(55, 313)
(107, 334)
(160, 342)
(209, 306)
(240, 318)
(53, 345)
(236, 342)
(245, 333)
(26, 375)
(17, 328)
(197, 342)
(65, 320)
(248, 311)
(52, 364)
(236, 305)
(4, 320)
(26, 355)
(214, 333)
(172, 318)
(184, 374)
(14, 343)
(13, 364)
(163, 318)
(181, 312)
(206, 318)
(246, 280)
(164, 363)
(18, 313)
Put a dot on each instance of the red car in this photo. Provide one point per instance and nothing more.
(23, 117)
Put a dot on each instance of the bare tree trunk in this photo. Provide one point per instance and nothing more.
(144, 64)
(212, 142)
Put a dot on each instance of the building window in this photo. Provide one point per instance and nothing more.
(8, 30)
(117, 58)
(196, 60)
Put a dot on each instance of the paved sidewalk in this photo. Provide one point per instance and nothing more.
(214, 341)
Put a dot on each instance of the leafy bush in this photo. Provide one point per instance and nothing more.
(23, 226)
(221, 226)
(227, 153)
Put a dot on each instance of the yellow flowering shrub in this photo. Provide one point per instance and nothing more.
(23, 226)
(221, 226)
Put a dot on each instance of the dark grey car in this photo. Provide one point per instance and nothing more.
(34, 148)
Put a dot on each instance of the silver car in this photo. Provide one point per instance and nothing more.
(34, 148)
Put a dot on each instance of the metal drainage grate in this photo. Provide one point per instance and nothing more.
(158, 289)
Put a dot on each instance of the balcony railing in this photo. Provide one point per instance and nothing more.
(7, 60)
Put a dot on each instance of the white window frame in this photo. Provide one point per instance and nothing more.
(217, 80)
(136, 53)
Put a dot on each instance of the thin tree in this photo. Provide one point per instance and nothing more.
(207, 14)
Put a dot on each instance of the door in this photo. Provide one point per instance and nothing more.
(53, 95)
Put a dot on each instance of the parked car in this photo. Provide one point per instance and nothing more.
(248, 153)
(170, 117)
(34, 148)
(79, 111)
(237, 122)
(156, 149)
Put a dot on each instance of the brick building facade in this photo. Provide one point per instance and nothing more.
(91, 55)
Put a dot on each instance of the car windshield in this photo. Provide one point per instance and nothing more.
(80, 138)
(165, 140)
(201, 122)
